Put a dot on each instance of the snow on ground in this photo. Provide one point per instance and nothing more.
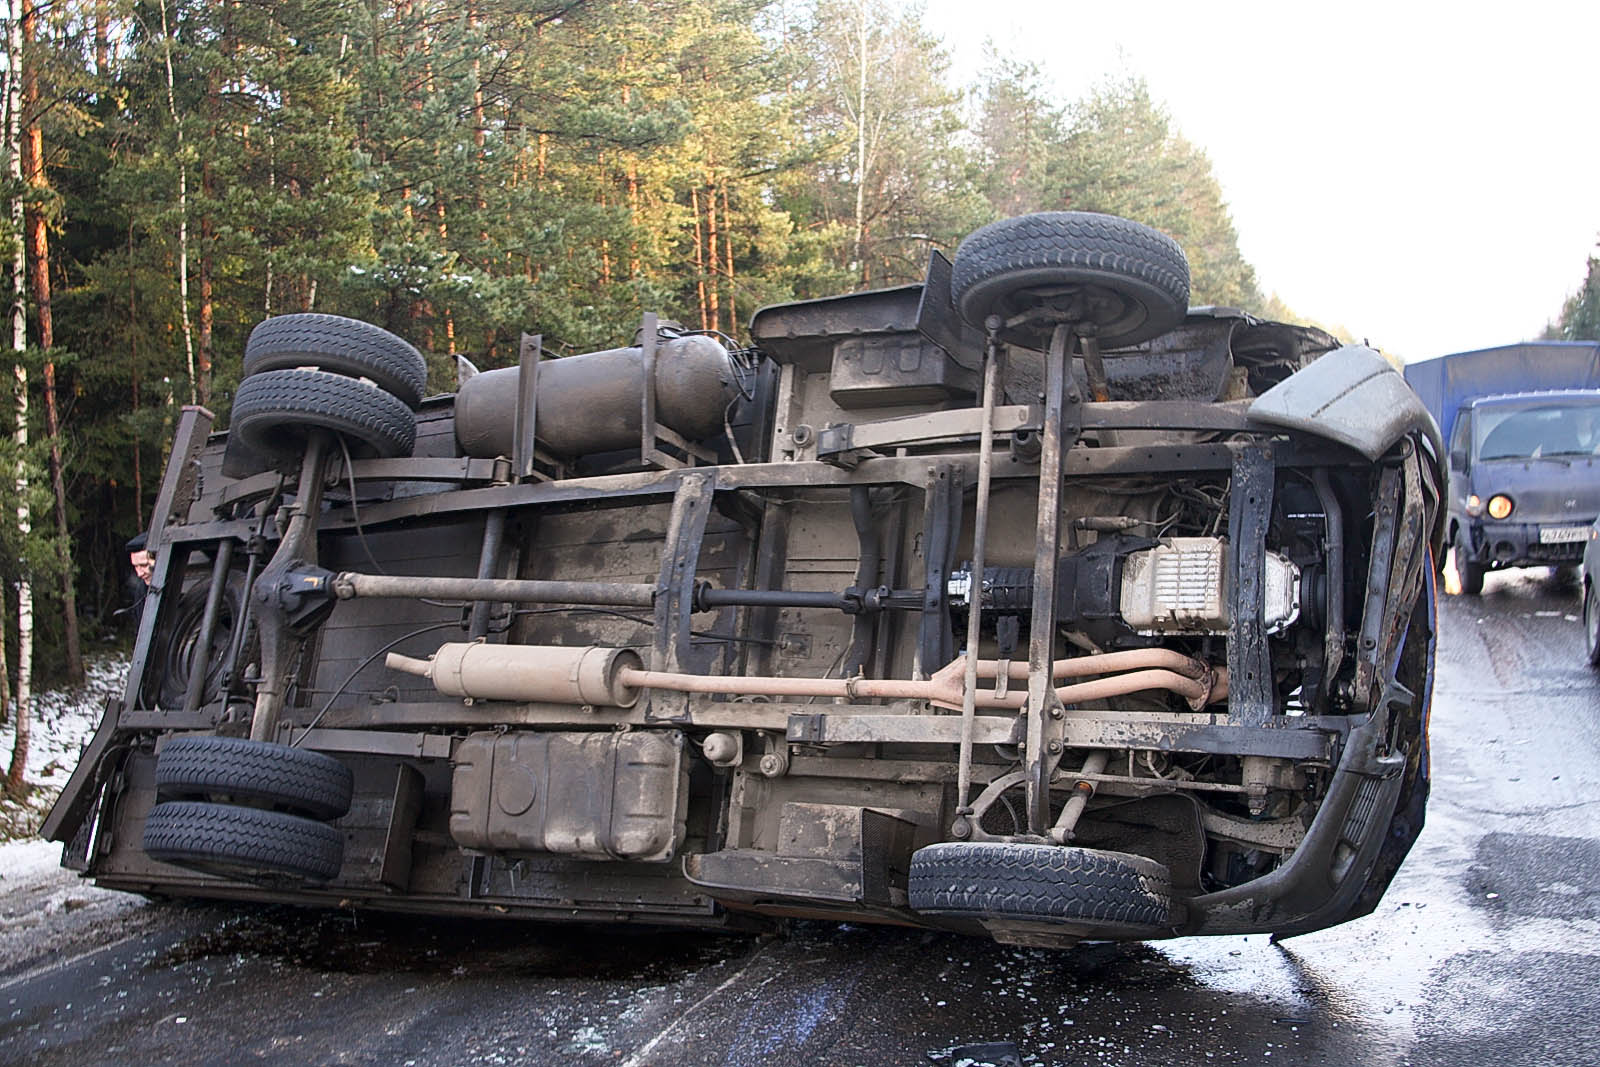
(27, 861)
(46, 911)
(49, 913)
(63, 721)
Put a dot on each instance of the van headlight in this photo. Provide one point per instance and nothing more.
(1500, 506)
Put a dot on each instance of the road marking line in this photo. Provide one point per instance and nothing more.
(638, 1058)
(59, 965)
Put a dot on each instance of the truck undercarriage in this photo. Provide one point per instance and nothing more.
(1025, 602)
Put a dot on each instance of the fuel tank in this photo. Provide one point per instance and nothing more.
(593, 402)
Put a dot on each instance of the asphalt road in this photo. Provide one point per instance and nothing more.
(1483, 951)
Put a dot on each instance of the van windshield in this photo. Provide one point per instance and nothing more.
(1536, 429)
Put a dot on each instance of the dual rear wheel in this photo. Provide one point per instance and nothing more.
(307, 373)
(250, 810)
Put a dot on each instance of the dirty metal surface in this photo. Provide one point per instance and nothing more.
(1482, 951)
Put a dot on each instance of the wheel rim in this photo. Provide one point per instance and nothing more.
(180, 655)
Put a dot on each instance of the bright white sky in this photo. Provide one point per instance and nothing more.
(1426, 175)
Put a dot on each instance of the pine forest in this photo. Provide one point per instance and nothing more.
(461, 173)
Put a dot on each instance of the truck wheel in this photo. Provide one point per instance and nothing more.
(1471, 575)
(274, 410)
(344, 346)
(992, 879)
(175, 651)
(240, 771)
(1134, 279)
(246, 844)
(1591, 625)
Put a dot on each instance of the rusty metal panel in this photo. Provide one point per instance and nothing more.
(405, 807)
(1251, 693)
(803, 333)
(846, 854)
(593, 795)
(898, 368)
(356, 627)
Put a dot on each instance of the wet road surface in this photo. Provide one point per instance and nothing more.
(1484, 950)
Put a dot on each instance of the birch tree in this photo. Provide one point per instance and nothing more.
(16, 783)
(199, 386)
(897, 176)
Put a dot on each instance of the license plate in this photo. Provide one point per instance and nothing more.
(1560, 535)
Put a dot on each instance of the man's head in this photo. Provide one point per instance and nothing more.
(139, 557)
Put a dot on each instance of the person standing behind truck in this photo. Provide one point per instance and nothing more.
(144, 566)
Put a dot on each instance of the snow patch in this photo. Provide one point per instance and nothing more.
(27, 862)
(64, 720)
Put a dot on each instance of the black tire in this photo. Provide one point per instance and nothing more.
(344, 346)
(999, 880)
(1471, 575)
(173, 652)
(1591, 624)
(258, 773)
(248, 844)
(1135, 279)
(273, 412)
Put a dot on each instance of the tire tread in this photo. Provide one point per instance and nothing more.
(273, 410)
(1019, 881)
(1046, 242)
(305, 782)
(190, 833)
(342, 345)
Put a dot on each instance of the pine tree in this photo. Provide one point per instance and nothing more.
(38, 256)
(1580, 314)
(1022, 137)
(1122, 157)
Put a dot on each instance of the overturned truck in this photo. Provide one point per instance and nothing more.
(1026, 602)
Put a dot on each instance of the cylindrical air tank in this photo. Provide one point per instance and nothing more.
(593, 402)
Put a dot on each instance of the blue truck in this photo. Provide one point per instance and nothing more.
(1522, 423)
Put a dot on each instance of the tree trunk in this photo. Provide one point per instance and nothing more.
(203, 358)
(632, 173)
(444, 243)
(183, 216)
(5, 668)
(102, 38)
(208, 229)
(857, 266)
(711, 253)
(133, 382)
(16, 784)
(38, 241)
(727, 252)
(699, 258)
(272, 183)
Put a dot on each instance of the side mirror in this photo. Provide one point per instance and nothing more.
(1458, 460)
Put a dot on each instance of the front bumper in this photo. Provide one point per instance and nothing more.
(1518, 544)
